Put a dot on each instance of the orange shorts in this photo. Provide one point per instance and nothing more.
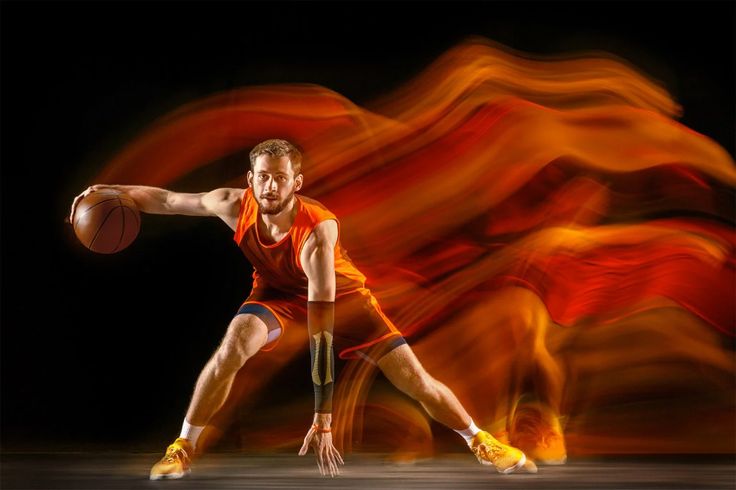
(361, 329)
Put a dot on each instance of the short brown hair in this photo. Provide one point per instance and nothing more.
(277, 148)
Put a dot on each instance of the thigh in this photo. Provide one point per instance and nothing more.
(362, 331)
(246, 334)
(277, 312)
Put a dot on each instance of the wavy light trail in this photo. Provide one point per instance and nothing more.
(532, 225)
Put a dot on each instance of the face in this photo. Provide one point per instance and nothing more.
(274, 183)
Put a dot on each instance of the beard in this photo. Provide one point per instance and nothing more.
(273, 207)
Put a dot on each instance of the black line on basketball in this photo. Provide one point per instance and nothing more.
(135, 215)
(127, 198)
(91, 244)
(122, 227)
(133, 210)
(87, 210)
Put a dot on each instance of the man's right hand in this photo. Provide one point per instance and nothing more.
(89, 190)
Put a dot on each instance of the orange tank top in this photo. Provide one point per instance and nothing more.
(277, 265)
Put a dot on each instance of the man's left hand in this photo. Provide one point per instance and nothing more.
(320, 438)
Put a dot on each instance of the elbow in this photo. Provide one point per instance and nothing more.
(142, 202)
(167, 205)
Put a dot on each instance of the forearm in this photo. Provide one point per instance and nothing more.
(152, 200)
(318, 260)
(320, 322)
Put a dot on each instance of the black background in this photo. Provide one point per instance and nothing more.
(105, 349)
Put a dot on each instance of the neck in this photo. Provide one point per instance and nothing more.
(283, 220)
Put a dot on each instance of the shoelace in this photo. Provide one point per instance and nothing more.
(489, 451)
(175, 451)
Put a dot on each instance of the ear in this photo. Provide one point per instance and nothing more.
(298, 181)
(249, 178)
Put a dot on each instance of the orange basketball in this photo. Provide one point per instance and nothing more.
(106, 221)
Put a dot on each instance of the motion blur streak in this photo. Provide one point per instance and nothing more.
(540, 229)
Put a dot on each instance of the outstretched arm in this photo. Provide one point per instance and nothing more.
(318, 261)
(223, 203)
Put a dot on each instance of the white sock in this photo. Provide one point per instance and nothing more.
(191, 432)
(469, 433)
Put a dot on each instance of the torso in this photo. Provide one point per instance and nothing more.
(275, 255)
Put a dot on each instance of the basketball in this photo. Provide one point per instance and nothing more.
(106, 221)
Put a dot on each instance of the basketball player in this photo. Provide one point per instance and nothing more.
(302, 278)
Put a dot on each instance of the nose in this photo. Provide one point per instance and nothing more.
(271, 184)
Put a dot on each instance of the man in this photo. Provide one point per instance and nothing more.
(302, 275)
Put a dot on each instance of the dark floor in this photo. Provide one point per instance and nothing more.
(228, 470)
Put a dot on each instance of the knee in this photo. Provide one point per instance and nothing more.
(242, 341)
(228, 359)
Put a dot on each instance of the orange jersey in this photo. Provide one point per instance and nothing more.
(277, 266)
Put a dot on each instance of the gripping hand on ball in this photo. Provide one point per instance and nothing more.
(89, 190)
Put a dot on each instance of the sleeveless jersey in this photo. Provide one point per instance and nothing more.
(277, 266)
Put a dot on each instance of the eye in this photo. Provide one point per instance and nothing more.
(282, 178)
(262, 177)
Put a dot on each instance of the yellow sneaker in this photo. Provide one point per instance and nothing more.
(176, 462)
(490, 451)
(536, 429)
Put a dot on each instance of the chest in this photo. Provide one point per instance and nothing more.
(268, 238)
(274, 259)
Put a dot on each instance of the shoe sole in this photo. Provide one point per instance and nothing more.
(170, 476)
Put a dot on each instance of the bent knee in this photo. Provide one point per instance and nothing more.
(245, 336)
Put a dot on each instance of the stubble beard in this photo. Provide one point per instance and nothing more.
(274, 207)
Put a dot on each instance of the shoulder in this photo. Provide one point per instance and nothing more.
(316, 228)
(324, 233)
(319, 244)
(319, 224)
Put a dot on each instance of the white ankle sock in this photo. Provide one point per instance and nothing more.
(469, 433)
(191, 432)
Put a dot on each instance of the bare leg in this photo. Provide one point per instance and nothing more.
(404, 370)
(245, 336)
